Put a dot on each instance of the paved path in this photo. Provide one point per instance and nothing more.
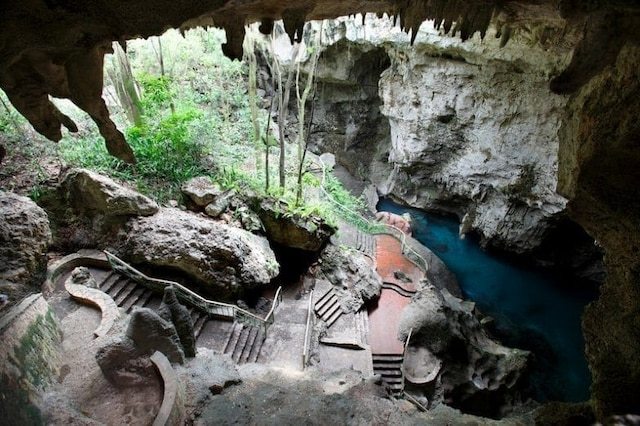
(384, 317)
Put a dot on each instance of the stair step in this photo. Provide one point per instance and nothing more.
(108, 284)
(118, 287)
(198, 326)
(110, 276)
(257, 346)
(233, 338)
(328, 313)
(338, 313)
(387, 372)
(253, 334)
(126, 291)
(240, 345)
(144, 299)
(133, 298)
(324, 300)
(378, 358)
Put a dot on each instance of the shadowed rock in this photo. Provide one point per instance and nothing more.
(151, 333)
(171, 310)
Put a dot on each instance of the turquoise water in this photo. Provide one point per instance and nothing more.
(532, 308)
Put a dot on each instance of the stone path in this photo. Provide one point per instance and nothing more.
(400, 277)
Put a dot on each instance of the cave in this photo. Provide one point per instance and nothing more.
(516, 119)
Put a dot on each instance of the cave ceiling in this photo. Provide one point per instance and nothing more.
(56, 48)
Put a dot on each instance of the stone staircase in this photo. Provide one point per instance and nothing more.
(244, 343)
(127, 293)
(366, 243)
(389, 367)
(362, 325)
(327, 308)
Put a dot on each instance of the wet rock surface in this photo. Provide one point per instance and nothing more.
(225, 259)
(25, 236)
(453, 359)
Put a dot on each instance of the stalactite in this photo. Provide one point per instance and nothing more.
(266, 26)
(505, 36)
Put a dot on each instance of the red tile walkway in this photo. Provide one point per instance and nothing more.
(384, 318)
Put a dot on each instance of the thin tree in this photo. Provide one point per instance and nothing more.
(125, 85)
(160, 57)
(283, 97)
(302, 141)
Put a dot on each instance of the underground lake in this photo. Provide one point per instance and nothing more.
(533, 308)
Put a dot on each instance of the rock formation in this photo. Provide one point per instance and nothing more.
(24, 238)
(224, 259)
(452, 359)
(445, 125)
(125, 360)
(350, 272)
(171, 310)
(88, 209)
(95, 194)
(56, 48)
(309, 233)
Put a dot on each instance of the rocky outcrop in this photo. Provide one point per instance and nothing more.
(200, 191)
(30, 359)
(24, 239)
(89, 209)
(41, 55)
(599, 169)
(452, 358)
(125, 361)
(308, 233)
(352, 276)
(92, 194)
(469, 128)
(171, 310)
(226, 260)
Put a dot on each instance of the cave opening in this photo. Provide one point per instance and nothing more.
(502, 128)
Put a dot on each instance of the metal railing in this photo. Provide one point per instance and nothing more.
(211, 307)
(395, 232)
(306, 351)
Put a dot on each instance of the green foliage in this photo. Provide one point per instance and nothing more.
(157, 92)
(349, 208)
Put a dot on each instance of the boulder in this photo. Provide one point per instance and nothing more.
(308, 233)
(352, 275)
(92, 193)
(82, 276)
(220, 204)
(24, 238)
(200, 191)
(125, 361)
(221, 257)
(150, 333)
(171, 310)
(123, 365)
(450, 349)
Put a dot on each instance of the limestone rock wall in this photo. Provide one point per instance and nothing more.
(600, 169)
(30, 359)
(470, 128)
